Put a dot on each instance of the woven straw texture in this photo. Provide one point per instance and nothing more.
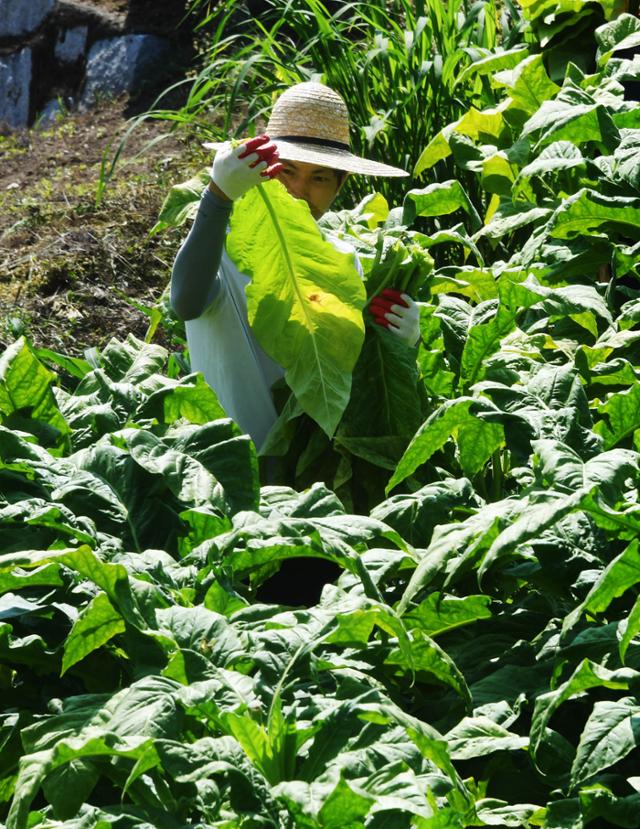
(314, 112)
(310, 110)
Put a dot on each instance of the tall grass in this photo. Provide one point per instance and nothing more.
(398, 63)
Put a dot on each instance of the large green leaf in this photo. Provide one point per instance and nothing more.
(528, 84)
(124, 724)
(511, 216)
(16, 578)
(130, 360)
(26, 397)
(478, 284)
(586, 675)
(182, 202)
(627, 159)
(227, 454)
(34, 522)
(344, 806)
(482, 340)
(36, 767)
(621, 574)
(561, 468)
(495, 62)
(565, 119)
(542, 513)
(533, 9)
(561, 155)
(438, 200)
(69, 787)
(587, 211)
(384, 399)
(187, 479)
(451, 419)
(441, 612)
(611, 732)
(478, 441)
(120, 496)
(478, 736)
(483, 126)
(113, 579)
(498, 174)
(454, 544)
(574, 482)
(324, 805)
(495, 812)
(201, 630)
(616, 35)
(425, 655)
(258, 541)
(95, 626)
(190, 398)
(415, 515)
(597, 801)
(305, 299)
(621, 416)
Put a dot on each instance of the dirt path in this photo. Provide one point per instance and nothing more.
(70, 269)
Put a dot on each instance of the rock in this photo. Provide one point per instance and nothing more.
(117, 64)
(18, 17)
(15, 82)
(71, 44)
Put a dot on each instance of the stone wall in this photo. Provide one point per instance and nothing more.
(64, 54)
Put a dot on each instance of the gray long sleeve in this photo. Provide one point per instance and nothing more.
(194, 282)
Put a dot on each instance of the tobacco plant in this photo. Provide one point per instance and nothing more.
(476, 658)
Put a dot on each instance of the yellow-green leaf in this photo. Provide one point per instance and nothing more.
(305, 298)
(97, 623)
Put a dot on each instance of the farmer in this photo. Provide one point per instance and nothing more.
(306, 147)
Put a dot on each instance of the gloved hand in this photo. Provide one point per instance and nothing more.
(236, 169)
(398, 313)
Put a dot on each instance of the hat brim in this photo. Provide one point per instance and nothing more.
(328, 157)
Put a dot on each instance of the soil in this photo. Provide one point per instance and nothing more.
(111, 6)
(75, 273)
(170, 10)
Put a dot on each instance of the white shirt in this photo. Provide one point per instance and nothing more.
(221, 342)
(223, 347)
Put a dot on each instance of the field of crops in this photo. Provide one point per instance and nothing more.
(477, 660)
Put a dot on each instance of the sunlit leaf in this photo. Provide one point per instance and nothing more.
(304, 301)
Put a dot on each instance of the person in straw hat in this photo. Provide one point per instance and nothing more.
(306, 146)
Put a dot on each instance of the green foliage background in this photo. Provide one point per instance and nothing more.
(477, 662)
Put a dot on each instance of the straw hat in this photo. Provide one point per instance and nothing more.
(310, 122)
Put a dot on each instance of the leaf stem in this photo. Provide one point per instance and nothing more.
(498, 477)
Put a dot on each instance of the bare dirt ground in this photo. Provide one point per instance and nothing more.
(115, 6)
(72, 271)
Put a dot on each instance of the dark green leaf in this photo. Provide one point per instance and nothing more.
(586, 675)
(611, 732)
(440, 612)
(96, 625)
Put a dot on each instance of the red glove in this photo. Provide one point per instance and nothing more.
(398, 313)
(266, 151)
(236, 169)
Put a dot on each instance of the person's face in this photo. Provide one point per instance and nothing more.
(317, 185)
